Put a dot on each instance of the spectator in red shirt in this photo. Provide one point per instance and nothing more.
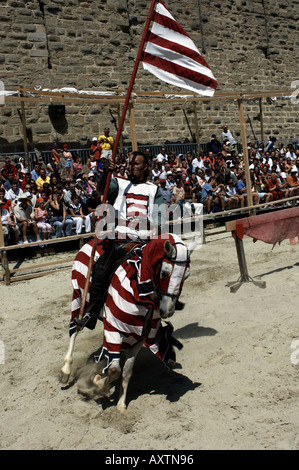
(9, 166)
(96, 149)
(7, 202)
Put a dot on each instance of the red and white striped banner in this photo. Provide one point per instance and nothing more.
(172, 56)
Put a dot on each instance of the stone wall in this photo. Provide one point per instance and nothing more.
(251, 45)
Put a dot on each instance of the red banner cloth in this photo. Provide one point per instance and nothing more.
(271, 228)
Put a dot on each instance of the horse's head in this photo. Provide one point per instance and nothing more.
(175, 269)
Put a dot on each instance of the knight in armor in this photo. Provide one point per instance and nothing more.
(138, 207)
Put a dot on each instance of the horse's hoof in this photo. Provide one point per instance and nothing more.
(121, 408)
(63, 378)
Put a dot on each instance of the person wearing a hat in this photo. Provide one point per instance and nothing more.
(68, 161)
(91, 183)
(170, 182)
(9, 227)
(292, 182)
(22, 167)
(24, 215)
(178, 174)
(95, 150)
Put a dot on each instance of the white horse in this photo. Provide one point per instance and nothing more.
(143, 291)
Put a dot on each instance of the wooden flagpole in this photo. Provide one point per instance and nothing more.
(114, 150)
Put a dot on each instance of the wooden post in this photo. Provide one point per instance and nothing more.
(196, 122)
(261, 119)
(3, 254)
(132, 125)
(23, 115)
(245, 152)
(1, 231)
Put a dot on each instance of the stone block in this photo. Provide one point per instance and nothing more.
(38, 53)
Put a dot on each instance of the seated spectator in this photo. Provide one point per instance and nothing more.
(43, 178)
(170, 183)
(77, 168)
(234, 199)
(8, 182)
(195, 186)
(82, 193)
(9, 227)
(207, 193)
(69, 191)
(7, 202)
(262, 188)
(55, 181)
(91, 205)
(275, 187)
(210, 161)
(165, 192)
(291, 153)
(26, 181)
(91, 183)
(40, 216)
(32, 197)
(171, 160)
(198, 161)
(24, 214)
(75, 210)
(14, 193)
(59, 218)
(178, 195)
(292, 182)
(242, 189)
(191, 206)
(156, 171)
(35, 173)
(52, 167)
(93, 164)
(122, 172)
(10, 167)
(162, 156)
(33, 192)
(218, 192)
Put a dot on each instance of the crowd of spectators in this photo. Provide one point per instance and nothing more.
(57, 198)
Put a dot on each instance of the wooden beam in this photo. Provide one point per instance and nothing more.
(245, 152)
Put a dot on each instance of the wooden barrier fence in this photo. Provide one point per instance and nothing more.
(8, 273)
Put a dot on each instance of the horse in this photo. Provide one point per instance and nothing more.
(143, 292)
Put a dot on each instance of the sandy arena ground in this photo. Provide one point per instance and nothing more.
(238, 383)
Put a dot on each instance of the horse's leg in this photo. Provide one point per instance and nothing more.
(103, 382)
(66, 369)
(131, 355)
